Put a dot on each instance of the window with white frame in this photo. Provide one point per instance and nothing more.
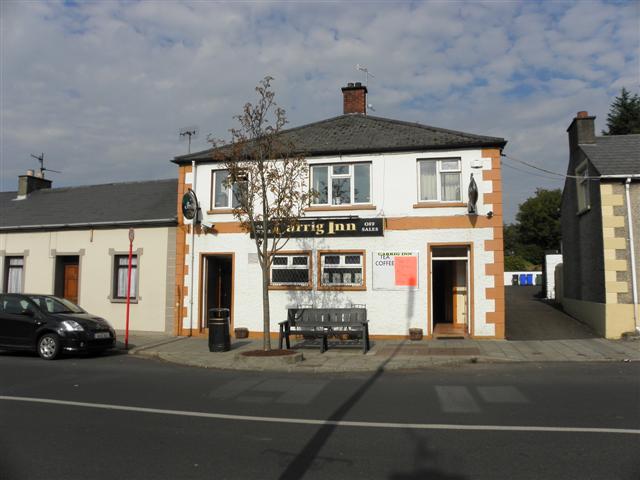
(341, 269)
(582, 187)
(221, 195)
(341, 184)
(13, 274)
(120, 276)
(291, 270)
(440, 180)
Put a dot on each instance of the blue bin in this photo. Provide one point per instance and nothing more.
(523, 279)
(529, 279)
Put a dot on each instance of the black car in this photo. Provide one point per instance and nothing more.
(51, 325)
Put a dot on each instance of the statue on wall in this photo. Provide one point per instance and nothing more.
(473, 197)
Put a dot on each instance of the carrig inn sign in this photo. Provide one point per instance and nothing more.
(333, 227)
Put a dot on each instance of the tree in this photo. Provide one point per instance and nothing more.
(268, 178)
(624, 114)
(538, 225)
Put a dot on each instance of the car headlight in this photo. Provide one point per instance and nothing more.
(72, 326)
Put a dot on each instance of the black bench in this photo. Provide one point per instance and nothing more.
(322, 323)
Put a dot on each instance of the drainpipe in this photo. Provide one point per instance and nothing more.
(634, 282)
(193, 248)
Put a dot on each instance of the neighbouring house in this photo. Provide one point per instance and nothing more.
(601, 229)
(390, 229)
(74, 242)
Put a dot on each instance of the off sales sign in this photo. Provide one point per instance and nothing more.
(395, 270)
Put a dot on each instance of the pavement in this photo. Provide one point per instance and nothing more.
(537, 331)
(384, 354)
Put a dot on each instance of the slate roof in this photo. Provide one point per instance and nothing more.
(99, 206)
(356, 133)
(615, 154)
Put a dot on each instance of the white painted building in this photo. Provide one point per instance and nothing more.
(74, 243)
(393, 232)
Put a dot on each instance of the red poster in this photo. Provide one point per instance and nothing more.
(406, 271)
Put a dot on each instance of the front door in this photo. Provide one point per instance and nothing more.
(71, 282)
(449, 290)
(67, 277)
(218, 285)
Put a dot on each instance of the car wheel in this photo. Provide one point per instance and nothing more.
(49, 346)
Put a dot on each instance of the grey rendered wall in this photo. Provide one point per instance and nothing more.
(582, 243)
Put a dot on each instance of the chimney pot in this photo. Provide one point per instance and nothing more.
(350, 84)
(358, 84)
(582, 114)
(30, 173)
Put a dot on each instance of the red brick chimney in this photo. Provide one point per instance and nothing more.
(355, 98)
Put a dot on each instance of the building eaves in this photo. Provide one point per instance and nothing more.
(365, 134)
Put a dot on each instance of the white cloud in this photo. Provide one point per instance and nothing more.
(102, 88)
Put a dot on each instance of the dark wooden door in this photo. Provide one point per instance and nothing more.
(71, 283)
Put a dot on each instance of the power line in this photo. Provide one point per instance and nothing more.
(562, 175)
(543, 175)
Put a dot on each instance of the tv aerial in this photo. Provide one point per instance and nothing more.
(188, 132)
(366, 72)
(40, 158)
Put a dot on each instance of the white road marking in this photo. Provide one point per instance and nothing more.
(338, 423)
(505, 394)
(456, 399)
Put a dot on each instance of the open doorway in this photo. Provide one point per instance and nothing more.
(217, 276)
(67, 275)
(449, 291)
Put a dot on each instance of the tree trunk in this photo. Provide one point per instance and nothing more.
(266, 327)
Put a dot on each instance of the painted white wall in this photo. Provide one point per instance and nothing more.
(95, 270)
(551, 260)
(390, 312)
(394, 192)
(394, 183)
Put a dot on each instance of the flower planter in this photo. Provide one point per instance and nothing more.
(241, 332)
(415, 334)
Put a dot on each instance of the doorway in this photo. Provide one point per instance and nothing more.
(449, 291)
(67, 274)
(217, 281)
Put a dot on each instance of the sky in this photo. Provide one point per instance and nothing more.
(103, 88)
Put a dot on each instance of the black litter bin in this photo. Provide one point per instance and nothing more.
(218, 323)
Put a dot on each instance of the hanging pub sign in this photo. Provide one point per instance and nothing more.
(189, 205)
(333, 227)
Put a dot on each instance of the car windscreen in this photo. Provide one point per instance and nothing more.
(56, 305)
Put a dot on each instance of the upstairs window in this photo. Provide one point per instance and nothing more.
(221, 195)
(341, 184)
(440, 180)
(13, 274)
(582, 187)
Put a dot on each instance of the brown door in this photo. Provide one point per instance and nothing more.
(71, 283)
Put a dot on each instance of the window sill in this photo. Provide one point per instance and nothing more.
(583, 211)
(331, 208)
(290, 287)
(439, 204)
(123, 300)
(219, 211)
(343, 288)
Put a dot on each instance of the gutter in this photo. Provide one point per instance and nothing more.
(634, 281)
(88, 225)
